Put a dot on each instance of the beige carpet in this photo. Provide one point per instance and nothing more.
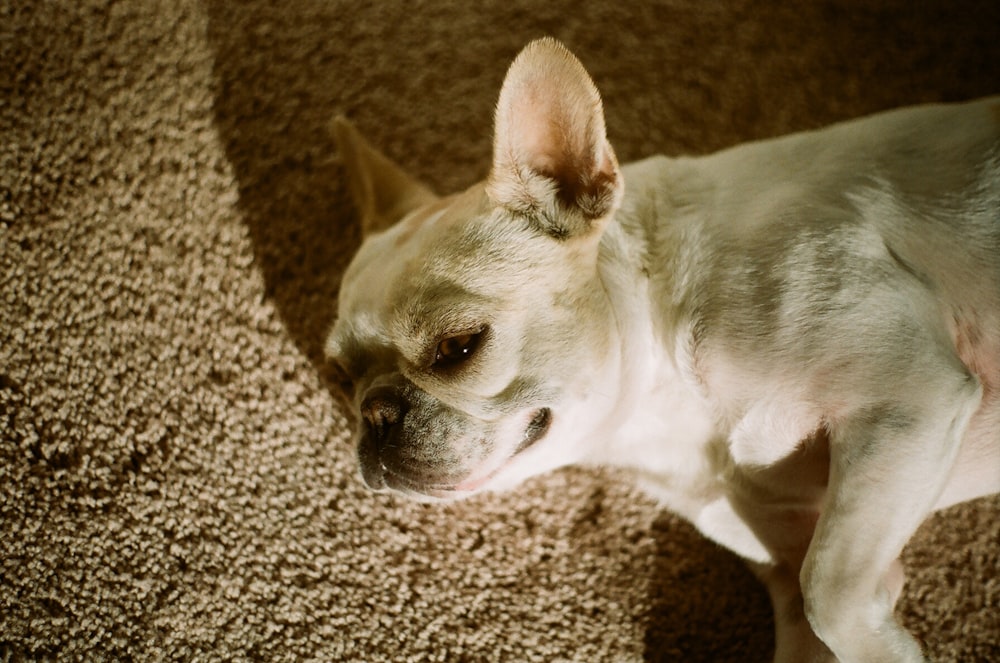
(176, 478)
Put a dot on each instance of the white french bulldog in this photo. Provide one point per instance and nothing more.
(794, 343)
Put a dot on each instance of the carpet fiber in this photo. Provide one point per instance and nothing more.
(176, 475)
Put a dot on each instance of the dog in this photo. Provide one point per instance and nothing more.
(793, 343)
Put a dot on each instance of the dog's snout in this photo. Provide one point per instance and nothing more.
(383, 409)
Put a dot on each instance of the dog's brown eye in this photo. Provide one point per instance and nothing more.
(456, 349)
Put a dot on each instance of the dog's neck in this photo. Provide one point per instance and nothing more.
(657, 391)
(645, 255)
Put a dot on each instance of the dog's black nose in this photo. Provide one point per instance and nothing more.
(383, 408)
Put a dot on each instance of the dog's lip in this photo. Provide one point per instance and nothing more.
(400, 482)
(536, 430)
(386, 478)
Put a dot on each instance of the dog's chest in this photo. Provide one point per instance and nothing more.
(669, 441)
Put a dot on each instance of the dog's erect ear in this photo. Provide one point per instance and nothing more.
(382, 192)
(551, 158)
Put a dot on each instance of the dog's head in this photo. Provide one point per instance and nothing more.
(474, 327)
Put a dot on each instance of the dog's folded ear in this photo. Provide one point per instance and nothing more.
(383, 193)
(551, 158)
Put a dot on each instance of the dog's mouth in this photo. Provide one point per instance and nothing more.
(537, 427)
(535, 431)
(416, 486)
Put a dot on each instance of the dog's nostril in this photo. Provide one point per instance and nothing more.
(382, 411)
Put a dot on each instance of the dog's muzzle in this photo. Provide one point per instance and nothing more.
(402, 444)
(410, 444)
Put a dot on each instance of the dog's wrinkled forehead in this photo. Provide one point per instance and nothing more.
(442, 269)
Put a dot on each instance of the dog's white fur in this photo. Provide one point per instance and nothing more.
(794, 343)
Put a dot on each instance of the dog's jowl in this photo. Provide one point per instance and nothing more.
(794, 343)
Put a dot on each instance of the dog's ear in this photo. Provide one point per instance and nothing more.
(551, 158)
(382, 192)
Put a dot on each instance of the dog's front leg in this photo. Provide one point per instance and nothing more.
(889, 464)
(794, 639)
(780, 504)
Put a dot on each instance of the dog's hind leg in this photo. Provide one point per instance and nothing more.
(889, 465)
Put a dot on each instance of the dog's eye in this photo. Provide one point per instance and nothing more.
(456, 349)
